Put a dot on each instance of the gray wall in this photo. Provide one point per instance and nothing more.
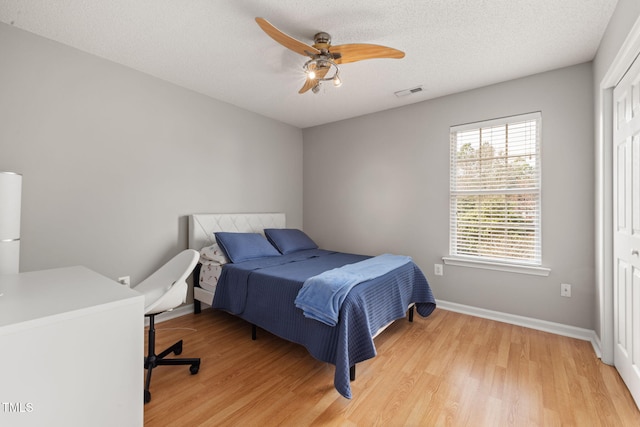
(380, 183)
(113, 160)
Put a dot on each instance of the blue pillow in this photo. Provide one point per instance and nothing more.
(289, 240)
(244, 246)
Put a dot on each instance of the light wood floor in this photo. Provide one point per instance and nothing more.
(446, 370)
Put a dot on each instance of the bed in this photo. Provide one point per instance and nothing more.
(264, 290)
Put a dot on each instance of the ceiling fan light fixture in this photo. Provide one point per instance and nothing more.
(319, 69)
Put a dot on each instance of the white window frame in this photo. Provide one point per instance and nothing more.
(533, 265)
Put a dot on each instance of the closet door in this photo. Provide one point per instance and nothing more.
(626, 137)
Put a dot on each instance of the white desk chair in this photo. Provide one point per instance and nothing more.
(163, 291)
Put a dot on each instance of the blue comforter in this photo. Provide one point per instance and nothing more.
(263, 291)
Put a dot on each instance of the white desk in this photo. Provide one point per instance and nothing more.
(71, 350)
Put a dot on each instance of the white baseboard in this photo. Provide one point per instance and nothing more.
(180, 311)
(527, 322)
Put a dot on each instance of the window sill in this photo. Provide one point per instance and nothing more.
(491, 265)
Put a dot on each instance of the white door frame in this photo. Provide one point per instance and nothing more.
(604, 188)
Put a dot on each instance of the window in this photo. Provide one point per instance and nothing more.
(495, 191)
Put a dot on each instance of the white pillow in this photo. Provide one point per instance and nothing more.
(213, 254)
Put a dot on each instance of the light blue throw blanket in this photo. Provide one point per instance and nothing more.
(321, 296)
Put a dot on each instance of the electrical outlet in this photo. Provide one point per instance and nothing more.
(125, 280)
(438, 270)
(565, 290)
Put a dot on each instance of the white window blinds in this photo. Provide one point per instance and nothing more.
(495, 190)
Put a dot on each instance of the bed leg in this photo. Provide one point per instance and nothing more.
(411, 309)
(254, 332)
(197, 307)
(352, 373)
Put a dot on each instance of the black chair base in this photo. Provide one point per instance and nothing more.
(152, 359)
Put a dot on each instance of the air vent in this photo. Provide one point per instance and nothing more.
(406, 92)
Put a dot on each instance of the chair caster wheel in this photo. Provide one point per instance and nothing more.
(178, 350)
(194, 369)
(147, 396)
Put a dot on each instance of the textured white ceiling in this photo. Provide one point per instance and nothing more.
(215, 47)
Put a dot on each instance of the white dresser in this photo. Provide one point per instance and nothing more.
(71, 350)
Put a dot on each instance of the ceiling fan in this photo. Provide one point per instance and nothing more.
(324, 58)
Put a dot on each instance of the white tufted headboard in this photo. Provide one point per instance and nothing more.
(202, 226)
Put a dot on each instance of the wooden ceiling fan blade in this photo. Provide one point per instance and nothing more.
(310, 83)
(286, 40)
(361, 51)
